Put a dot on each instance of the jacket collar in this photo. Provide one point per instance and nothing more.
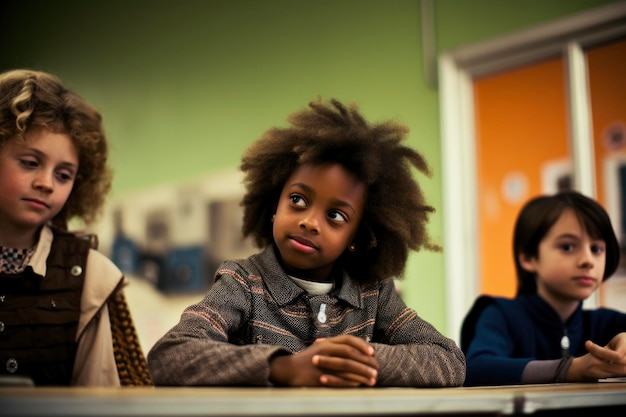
(543, 312)
(42, 250)
(285, 291)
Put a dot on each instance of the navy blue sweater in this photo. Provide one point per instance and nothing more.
(500, 336)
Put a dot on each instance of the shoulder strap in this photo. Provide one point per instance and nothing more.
(131, 362)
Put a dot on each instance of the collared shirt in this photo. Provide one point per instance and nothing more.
(14, 261)
(254, 311)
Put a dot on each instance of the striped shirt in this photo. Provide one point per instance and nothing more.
(254, 310)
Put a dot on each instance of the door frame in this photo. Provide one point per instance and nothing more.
(566, 38)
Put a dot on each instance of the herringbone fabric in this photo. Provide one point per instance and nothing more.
(254, 311)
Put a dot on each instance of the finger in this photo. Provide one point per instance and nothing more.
(366, 365)
(330, 380)
(335, 347)
(349, 340)
(346, 353)
(342, 365)
(355, 342)
(602, 353)
(346, 380)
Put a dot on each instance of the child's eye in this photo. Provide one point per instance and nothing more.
(337, 216)
(63, 176)
(28, 163)
(567, 247)
(297, 200)
(597, 249)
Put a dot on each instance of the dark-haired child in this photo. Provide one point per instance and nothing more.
(564, 248)
(332, 202)
(63, 316)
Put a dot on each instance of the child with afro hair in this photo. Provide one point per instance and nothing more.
(332, 204)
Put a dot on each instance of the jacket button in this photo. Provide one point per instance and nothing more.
(11, 365)
(1, 326)
(76, 270)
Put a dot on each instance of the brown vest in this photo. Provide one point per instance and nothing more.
(39, 316)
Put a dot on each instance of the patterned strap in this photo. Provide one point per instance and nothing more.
(131, 362)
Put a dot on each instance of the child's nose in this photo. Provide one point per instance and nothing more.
(586, 259)
(310, 222)
(43, 181)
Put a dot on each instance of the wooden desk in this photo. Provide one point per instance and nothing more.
(185, 401)
(567, 396)
(239, 402)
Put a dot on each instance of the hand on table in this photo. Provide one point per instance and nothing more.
(601, 362)
(339, 361)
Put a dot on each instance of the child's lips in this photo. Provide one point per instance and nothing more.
(585, 280)
(36, 203)
(303, 244)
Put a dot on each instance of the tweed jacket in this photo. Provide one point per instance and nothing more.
(254, 310)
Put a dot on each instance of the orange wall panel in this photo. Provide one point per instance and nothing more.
(521, 124)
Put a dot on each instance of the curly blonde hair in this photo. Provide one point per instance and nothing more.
(31, 100)
(395, 215)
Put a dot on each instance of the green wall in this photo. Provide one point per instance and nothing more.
(186, 85)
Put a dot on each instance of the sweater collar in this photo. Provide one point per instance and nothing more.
(543, 312)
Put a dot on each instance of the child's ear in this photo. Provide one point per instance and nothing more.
(527, 262)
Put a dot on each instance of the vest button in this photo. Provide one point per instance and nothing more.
(11, 365)
(1, 326)
(76, 270)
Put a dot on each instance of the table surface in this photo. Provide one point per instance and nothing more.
(223, 401)
(562, 396)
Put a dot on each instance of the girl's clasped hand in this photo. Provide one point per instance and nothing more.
(338, 361)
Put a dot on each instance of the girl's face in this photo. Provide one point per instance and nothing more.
(318, 214)
(36, 178)
(570, 264)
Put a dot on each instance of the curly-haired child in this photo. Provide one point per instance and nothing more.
(332, 202)
(63, 313)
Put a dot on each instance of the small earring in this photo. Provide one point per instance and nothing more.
(352, 247)
(273, 218)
